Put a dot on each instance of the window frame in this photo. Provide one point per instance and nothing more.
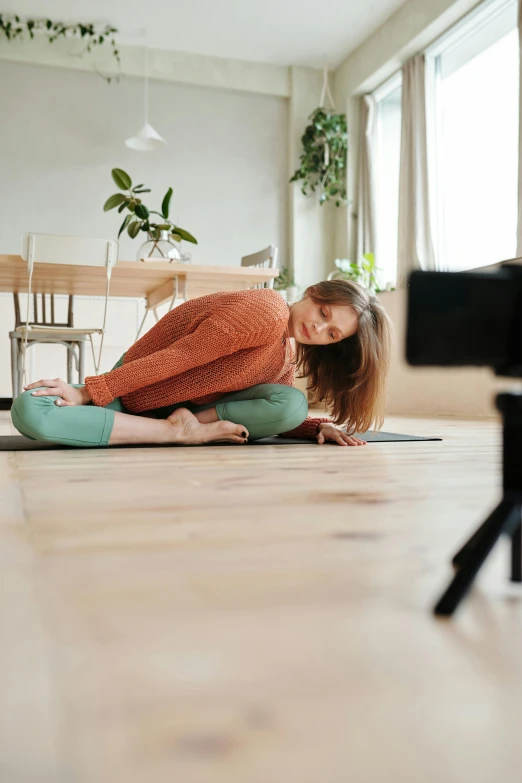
(480, 28)
(380, 94)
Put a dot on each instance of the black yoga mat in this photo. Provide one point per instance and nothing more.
(20, 443)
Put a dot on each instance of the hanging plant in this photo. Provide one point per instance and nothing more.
(14, 27)
(323, 159)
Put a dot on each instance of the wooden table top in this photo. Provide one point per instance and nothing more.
(129, 278)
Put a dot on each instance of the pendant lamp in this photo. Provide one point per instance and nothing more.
(148, 138)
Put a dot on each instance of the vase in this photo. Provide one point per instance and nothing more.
(162, 249)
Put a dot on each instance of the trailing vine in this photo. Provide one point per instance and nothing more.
(14, 27)
(323, 159)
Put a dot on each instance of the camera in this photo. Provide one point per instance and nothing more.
(466, 318)
(474, 318)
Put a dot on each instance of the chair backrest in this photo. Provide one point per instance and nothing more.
(43, 311)
(264, 258)
(57, 249)
(78, 251)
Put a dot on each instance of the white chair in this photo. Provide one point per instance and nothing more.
(55, 249)
(266, 258)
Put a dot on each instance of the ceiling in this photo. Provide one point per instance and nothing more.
(281, 32)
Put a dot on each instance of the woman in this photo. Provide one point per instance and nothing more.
(221, 367)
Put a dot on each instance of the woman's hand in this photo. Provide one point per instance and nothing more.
(68, 394)
(329, 431)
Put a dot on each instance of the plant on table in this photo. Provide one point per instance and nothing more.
(139, 217)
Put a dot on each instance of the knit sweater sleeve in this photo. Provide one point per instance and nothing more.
(308, 429)
(212, 340)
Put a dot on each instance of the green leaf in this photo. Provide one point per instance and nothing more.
(122, 179)
(113, 201)
(184, 235)
(123, 205)
(124, 224)
(141, 190)
(137, 186)
(142, 211)
(133, 228)
(166, 203)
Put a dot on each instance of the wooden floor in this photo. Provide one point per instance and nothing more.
(255, 615)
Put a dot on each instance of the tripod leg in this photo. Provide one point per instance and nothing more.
(501, 520)
(516, 553)
(463, 553)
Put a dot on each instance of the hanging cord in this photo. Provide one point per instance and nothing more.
(26, 331)
(325, 93)
(146, 85)
(97, 363)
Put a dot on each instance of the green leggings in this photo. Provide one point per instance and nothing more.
(265, 410)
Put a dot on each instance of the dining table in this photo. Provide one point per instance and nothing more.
(156, 281)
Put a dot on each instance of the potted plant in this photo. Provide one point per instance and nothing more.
(365, 272)
(285, 284)
(323, 159)
(161, 234)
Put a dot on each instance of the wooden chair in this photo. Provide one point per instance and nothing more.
(266, 258)
(41, 326)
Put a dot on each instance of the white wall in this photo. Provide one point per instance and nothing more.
(311, 237)
(62, 131)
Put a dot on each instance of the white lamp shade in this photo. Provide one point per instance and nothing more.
(147, 139)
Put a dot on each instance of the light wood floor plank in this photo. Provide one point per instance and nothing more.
(242, 615)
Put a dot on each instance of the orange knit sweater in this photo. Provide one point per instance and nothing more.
(203, 349)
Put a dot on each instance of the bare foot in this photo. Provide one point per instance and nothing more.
(188, 430)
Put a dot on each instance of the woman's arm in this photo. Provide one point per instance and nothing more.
(322, 430)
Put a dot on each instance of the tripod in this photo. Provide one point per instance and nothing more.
(505, 518)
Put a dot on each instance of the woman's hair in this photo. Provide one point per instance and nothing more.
(350, 376)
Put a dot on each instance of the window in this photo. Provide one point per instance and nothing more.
(474, 143)
(388, 137)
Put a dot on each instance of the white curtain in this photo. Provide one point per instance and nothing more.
(366, 192)
(519, 227)
(415, 244)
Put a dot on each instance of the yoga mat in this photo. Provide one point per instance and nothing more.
(20, 443)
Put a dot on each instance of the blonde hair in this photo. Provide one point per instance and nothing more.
(350, 376)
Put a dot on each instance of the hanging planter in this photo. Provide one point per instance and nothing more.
(323, 159)
(325, 148)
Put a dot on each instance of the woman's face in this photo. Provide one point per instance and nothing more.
(318, 324)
